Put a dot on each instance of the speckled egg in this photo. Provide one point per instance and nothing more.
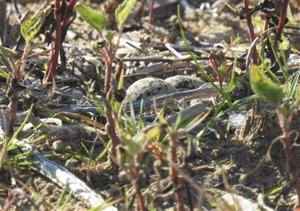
(148, 87)
(184, 82)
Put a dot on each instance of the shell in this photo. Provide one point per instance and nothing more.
(148, 87)
(184, 82)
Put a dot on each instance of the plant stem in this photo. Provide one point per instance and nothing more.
(108, 74)
(251, 30)
(111, 131)
(70, 9)
(140, 199)
(173, 171)
(53, 62)
(151, 10)
(10, 129)
(285, 122)
(281, 23)
(19, 74)
(141, 10)
(291, 162)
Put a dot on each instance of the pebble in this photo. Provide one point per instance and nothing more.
(59, 146)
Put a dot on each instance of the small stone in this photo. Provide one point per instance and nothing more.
(59, 146)
(71, 162)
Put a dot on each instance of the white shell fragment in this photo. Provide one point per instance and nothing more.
(148, 87)
(184, 82)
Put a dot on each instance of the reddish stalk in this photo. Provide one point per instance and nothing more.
(108, 73)
(291, 162)
(19, 74)
(151, 11)
(141, 12)
(281, 23)
(265, 35)
(285, 121)
(10, 129)
(174, 173)
(70, 9)
(112, 132)
(53, 61)
(140, 197)
(290, 153)
(247, 15)
(108, 54)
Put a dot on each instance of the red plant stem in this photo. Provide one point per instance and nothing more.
(109, 55)
(53, 62)
(151, 11)
(174, 173)
(291, 162)
(140, 199)
(10, 129)
(108, 74)
(266, 27)
(281, 21)
(21, 71)
(265, 34)
(112, 132)
(70, 9)
(141, 12)
(13, 118)
(251, 30)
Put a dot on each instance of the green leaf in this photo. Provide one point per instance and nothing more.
(30, 27)
(154, 133)
(123, 11)
(4, 74)
(94, 18)
(6, 57)
(265, 87)
(297, 94)
(276, 189)
(109, 36)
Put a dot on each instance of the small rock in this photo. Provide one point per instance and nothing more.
(59, 146)
(71, 162)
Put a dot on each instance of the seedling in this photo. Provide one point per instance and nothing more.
(98, 21)
(274, 94)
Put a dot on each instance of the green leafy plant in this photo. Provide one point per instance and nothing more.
(94, 18)
(123, 11)
(98, 21)
(29, 29)
(265, 87)
(275, 94)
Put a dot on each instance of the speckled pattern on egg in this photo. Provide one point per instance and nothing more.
(148, 87)
(184, 82)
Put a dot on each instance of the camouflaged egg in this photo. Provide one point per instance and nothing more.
(148, 87)
(184, 82)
